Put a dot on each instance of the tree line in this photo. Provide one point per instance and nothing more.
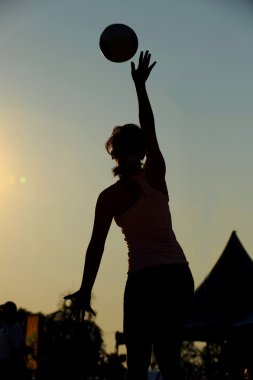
(68, 349)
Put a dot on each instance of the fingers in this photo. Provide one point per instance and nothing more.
(79, 308)
(151, 67)
(92, 311)
(80, 314)
(146, 57)
(141, 58)
(144, 60)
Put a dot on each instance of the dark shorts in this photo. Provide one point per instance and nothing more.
(156, 303)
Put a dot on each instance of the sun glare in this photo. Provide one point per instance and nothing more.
(10, 174)
(8, 180)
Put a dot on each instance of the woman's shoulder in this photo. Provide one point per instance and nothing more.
(109, 192)
(120, 196)
(106, 200)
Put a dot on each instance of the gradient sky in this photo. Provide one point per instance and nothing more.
(60, 98)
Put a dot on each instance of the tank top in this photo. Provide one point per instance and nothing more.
(147, 229)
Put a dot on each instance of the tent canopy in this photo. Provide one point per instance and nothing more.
(225, 296)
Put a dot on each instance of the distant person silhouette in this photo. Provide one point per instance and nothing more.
(160, 284)
(11, 343)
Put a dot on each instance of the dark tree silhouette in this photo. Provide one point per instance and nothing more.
(70, 349)
(191, 359)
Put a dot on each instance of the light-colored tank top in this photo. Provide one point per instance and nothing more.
(147, 228)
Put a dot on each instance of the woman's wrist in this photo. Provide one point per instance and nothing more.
(140, 84)
(85, 292)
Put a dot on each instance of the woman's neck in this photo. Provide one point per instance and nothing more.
(130, 170)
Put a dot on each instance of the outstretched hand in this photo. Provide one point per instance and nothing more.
(141, 74)
(80, 305)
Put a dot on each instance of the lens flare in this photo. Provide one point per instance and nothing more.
(23, 180)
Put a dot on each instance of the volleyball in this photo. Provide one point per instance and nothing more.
(118, 43)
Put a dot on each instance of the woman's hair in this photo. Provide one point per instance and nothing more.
(126, 140)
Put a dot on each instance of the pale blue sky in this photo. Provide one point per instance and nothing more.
(60, 98)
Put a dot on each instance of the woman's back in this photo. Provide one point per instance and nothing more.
(143, 214)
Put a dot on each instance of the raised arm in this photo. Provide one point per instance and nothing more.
(146, 117)
(94, 253)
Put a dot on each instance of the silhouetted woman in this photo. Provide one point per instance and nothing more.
(159, 285)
